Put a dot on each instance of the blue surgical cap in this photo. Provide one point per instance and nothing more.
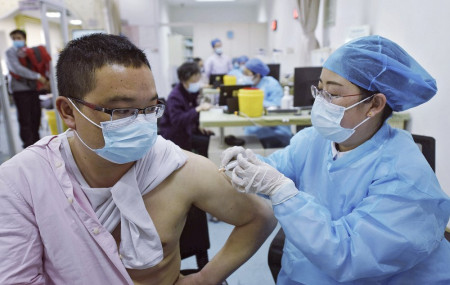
(214, 42)
(378, 64)
(235, 60)
(257, 66)
(243, 59)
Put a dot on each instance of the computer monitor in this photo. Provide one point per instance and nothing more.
(274, 70)
(215, 80)
(229, 96)
(304, 77)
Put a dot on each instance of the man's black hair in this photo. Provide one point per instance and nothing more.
(81, 58)
(197, 59)
(186, 70)
(18, 31)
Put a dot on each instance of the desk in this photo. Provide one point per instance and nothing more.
(216, 118)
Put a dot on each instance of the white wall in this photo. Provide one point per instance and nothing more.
(144, 27)
(248, 38)
(220, 13)
(288, 38)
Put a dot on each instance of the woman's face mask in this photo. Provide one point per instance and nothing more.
(127, 139)
(194, 87)
(326, 118)
(249, 79)
(218, 50)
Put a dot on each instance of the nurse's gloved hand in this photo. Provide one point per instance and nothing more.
(251, 175)
(229, 155)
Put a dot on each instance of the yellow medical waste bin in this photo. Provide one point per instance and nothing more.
(251, 102)
(229, 80)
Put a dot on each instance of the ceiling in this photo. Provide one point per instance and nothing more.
(193, 3)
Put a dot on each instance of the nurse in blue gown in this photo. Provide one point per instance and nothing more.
(256, 73)
(357, 200)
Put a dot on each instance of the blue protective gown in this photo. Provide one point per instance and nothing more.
(273, 92)
(374, 216)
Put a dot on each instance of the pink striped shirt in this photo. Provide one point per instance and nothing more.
(49, 233)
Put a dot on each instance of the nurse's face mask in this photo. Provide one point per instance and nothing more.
(326, 117)
(128, 135)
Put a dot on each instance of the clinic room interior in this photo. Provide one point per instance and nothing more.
(284, 33)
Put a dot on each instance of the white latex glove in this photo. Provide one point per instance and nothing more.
(229, 155)
(251, 175)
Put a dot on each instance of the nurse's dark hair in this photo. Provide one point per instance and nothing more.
(387, 111)
(186, 70)
(82, 57)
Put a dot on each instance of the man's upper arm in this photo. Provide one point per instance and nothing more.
(20, 243)
(214, 194)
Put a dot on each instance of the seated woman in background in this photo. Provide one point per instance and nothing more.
(256, 73)
(180, 122)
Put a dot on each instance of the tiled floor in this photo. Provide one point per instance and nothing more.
(254, 272)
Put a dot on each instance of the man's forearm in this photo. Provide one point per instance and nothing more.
(242, 243)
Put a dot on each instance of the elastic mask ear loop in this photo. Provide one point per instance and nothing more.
(83, 114)
(75, 131)
(365, 120)
(359, 102)
(83, 141)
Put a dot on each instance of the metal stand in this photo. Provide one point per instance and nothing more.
(4, 102)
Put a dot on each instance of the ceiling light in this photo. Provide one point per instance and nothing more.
(76, 22)
(53, 14)
(215, 0)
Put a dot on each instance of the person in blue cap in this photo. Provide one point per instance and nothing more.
(238, 68)
(217, 63)
(256, 73)
(357, 200)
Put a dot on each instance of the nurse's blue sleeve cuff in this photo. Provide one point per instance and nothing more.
(286, 192)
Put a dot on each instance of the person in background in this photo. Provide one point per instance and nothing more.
(238, 67)
(204, 80)
(23, 87)
(255, 73)
(180, 122)
(106, 201)
(217, 63)
(356, 198)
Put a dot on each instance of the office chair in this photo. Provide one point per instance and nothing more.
(428, 147)
(194, 240)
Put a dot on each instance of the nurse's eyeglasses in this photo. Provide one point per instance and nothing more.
(122, 113)
(328, 96)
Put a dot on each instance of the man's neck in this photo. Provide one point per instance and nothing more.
(98, 172)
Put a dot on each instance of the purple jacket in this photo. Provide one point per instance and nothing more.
(180, 120)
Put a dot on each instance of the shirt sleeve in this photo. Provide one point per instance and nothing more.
(20, 243)
(383, 235)
(14, 66)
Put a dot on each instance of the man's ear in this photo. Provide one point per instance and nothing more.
(65, 110)
(378, 102)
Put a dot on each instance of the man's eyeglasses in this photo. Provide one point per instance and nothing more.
(122, 113)
(326, 95)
